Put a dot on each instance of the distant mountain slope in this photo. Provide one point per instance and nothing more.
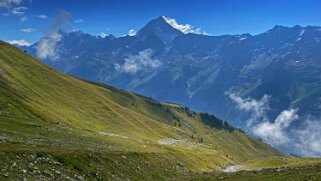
(203, 71)
(197, 69)
(45, 114)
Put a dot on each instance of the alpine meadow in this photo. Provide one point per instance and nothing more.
(160, 90)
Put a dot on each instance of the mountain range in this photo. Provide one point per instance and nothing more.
(58, 127)
(55, 126)
(253, 81)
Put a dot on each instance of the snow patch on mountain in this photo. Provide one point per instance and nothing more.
(187, 28)
(22, 42)
(302, 32)
(300, 35)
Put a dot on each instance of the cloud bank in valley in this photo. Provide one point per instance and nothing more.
(275, 132)
(309, 137)
(143, 61)
(304, 139)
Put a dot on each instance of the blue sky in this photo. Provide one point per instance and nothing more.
(30, 19)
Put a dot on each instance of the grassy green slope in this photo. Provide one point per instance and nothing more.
(88, 127)
(277, 162)
(307, 172)
(269, 168)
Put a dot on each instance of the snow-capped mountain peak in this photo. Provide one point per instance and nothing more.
(184, 28)
(181, 27)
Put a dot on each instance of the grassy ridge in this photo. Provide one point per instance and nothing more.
(43, 111)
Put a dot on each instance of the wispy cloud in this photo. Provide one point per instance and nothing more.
(187, 28)
(11, 7)
(9, 3)
(257, 108)
(28, 30)
(41, 16)
(141, 62)
(78, 21)
(22, 42)
(23, 19)
(19, 10)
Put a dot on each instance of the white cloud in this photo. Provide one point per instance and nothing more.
(9, 3)
(308, 139)
(141, 62)
(28, 30)
(131, 32)
(46, 48)
(22, 42)
(303, 139)
(41, 16)
(103, 35)
(187, 28)
(78, 21)
(257, 108)
(19, 10)
(276, 132)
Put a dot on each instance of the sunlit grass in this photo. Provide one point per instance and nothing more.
(45, 111)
